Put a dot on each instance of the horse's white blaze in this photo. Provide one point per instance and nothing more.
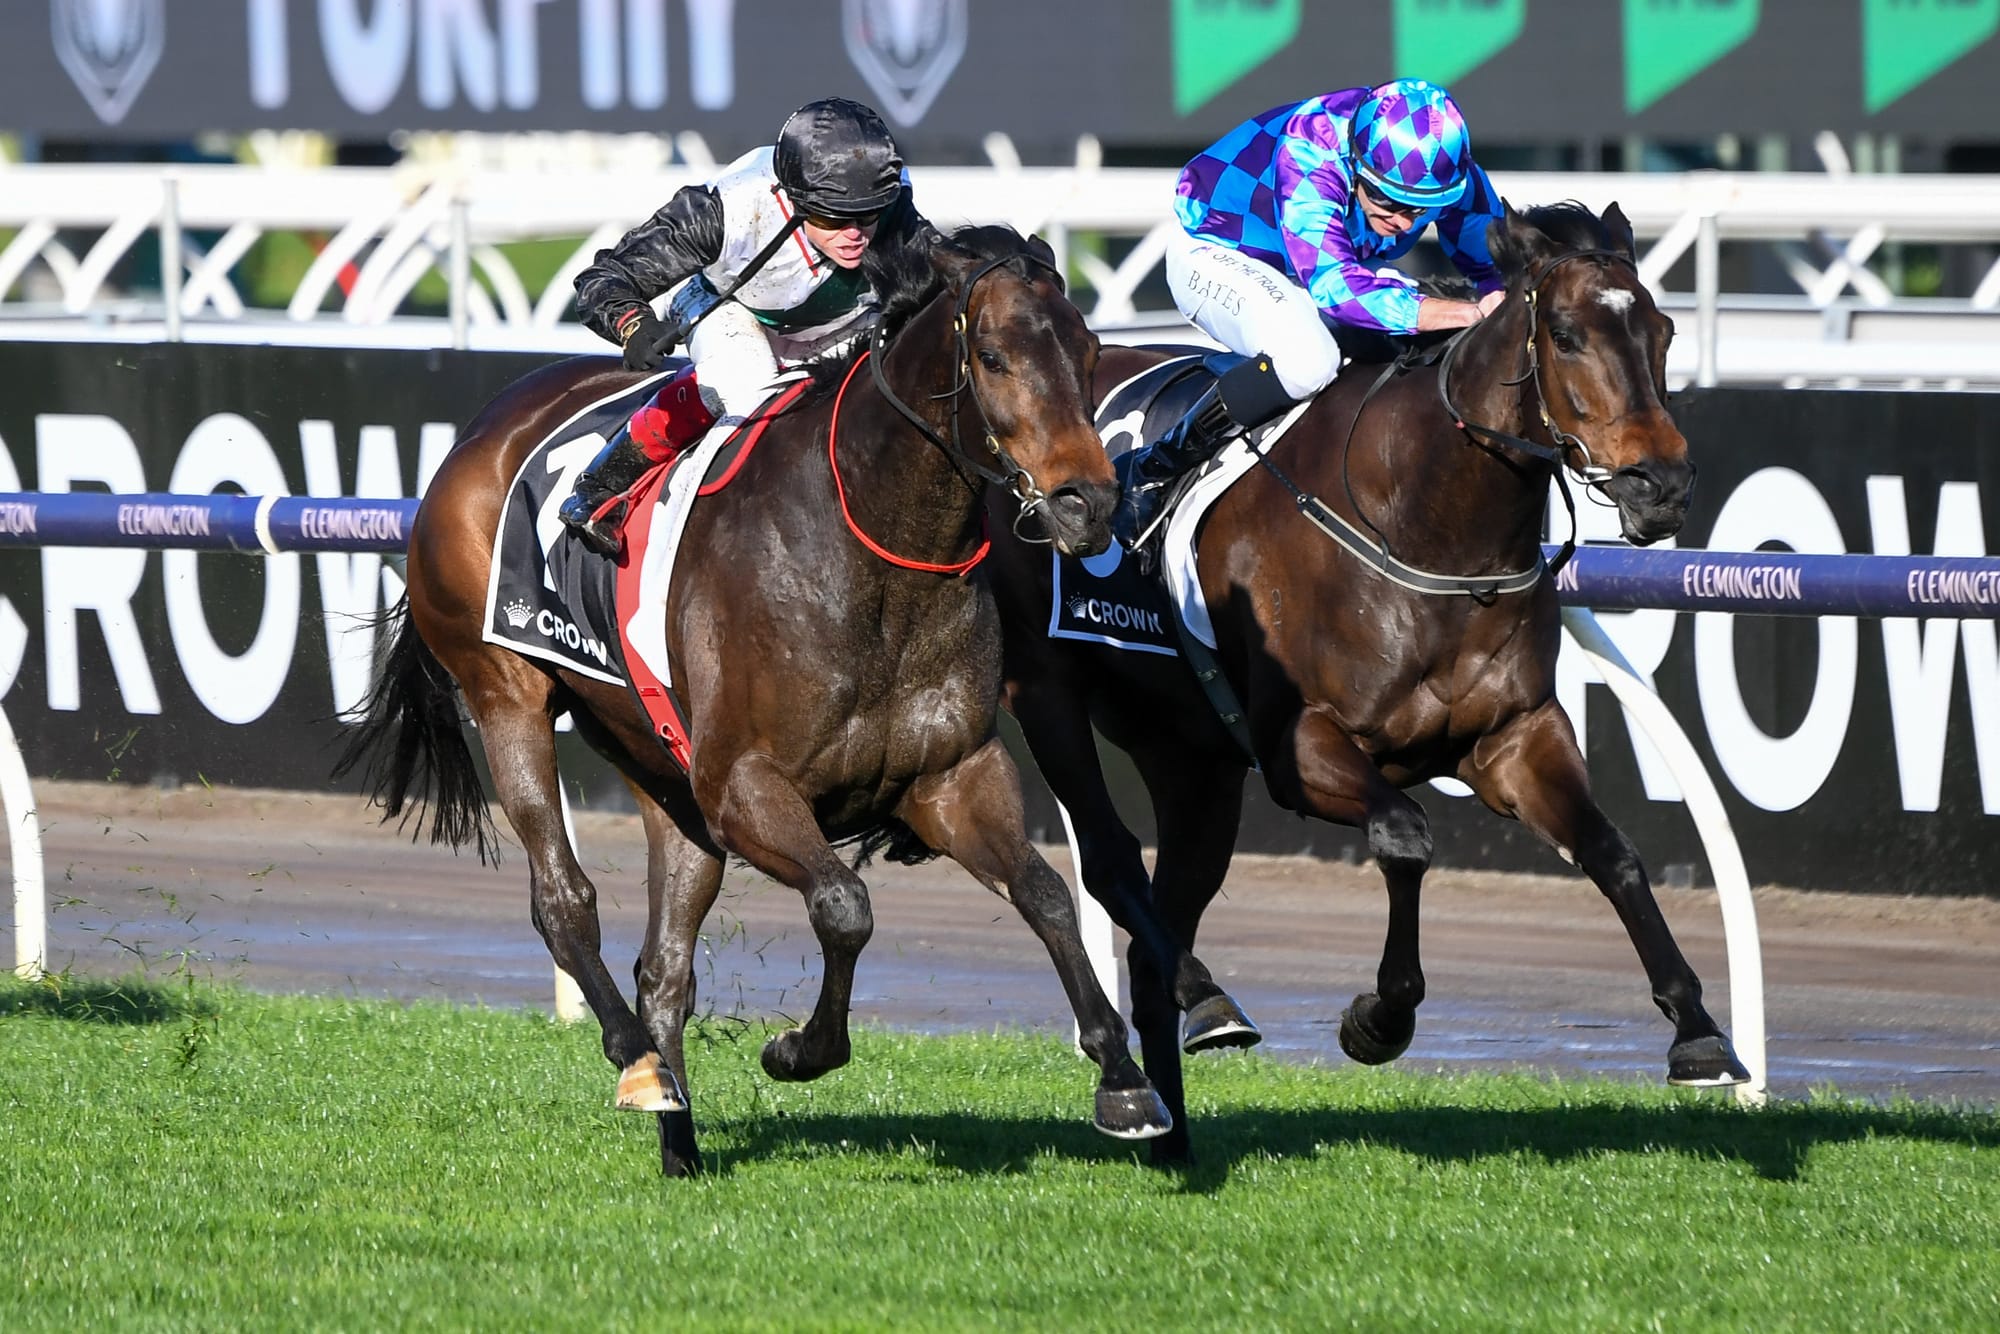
(1617, 298)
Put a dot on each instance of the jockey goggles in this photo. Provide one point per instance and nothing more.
(828, 222)
(1381, 201)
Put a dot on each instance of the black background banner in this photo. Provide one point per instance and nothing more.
(1903, 803)
(947, 72)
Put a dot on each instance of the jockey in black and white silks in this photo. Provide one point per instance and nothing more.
(764, 266)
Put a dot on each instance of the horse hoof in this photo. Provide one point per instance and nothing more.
(1371, 1034)
(1217, 1023)
(647, 1085)
(784, 1058)
(1705, 1063)
(1132, 1113)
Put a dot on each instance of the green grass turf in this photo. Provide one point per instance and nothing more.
(185, 1158)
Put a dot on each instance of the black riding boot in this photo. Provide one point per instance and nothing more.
(619, 464)
(1191, 442)
(1243, 397)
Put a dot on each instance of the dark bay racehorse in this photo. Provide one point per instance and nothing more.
(832, 692)
(1355, 686)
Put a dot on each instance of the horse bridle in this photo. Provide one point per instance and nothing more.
(1009, 473)
(1376, 552)
(1594, 474)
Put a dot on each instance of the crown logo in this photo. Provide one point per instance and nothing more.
(1078, 605)
(517, 613)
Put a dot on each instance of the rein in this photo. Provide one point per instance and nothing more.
(840, 489)
(1010, 474)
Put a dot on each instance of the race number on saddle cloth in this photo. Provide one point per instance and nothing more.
(1108, 599)
(556, 600)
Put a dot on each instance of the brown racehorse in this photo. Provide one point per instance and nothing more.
(831, 693)
(1354, 686)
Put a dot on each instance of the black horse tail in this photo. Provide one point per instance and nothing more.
(413, 746)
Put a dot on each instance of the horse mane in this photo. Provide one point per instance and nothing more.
(903, 269)
(1570, 225)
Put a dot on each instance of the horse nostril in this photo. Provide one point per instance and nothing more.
(1070, 506)
(1637, 486)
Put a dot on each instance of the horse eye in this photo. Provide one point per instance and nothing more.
(1564, 340)
(991, 361)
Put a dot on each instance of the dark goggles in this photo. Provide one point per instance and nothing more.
(1386, 204)
(829, 223)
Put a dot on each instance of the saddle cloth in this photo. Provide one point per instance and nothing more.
(1105, 599)
(550, 597)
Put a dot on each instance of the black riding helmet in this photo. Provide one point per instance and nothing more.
(835, 159)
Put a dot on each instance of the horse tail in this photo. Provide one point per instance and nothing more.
(411, 742)
(893, 841)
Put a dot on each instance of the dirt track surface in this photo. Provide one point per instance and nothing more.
(305, 893)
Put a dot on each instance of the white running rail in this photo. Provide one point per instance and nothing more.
(379, 231)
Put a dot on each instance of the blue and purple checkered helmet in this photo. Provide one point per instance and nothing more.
(1409, 142)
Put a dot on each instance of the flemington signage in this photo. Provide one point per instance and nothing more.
(120, 662)
(947, 72)
(1851, 753)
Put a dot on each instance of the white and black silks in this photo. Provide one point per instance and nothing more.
(738, 237)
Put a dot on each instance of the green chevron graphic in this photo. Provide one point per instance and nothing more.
(1440, 40)
(1217, 42)
(1668, 42)
(1905, 42)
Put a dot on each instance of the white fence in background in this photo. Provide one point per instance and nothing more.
(380, 231)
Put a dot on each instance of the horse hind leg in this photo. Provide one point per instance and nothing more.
(758, 814)
(682, 880)
(973, 814)
(1532, 770)
(1113, 871)
(1331, 778)
(1197, 808)
(520, 747)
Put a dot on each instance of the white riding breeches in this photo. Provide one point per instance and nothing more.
(737, 357)
(1252, 308)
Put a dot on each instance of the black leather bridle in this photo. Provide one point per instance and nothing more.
(1594, 475)
(1009, 473)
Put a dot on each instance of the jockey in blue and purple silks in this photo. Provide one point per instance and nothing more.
(1286, 220)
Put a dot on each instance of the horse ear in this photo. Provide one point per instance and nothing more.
(1619, 228)
(1043, 251)
(954, 259)
(1514, 242)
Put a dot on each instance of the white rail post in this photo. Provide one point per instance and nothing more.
(1098, 942)
(1718, 840)
(459, 269)
(1707, 298)
(24, 835)
(569, 996)
(172, 256)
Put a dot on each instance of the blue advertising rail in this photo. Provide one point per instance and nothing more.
(1767, 583)
(269, 524)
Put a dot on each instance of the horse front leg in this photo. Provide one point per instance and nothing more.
(1532, 770)
(521, 753)
(682, 880)
(1323, 773)
(757, 812)
(972, 813)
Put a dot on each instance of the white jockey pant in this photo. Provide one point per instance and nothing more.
(736, 357)
(1250, 308)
